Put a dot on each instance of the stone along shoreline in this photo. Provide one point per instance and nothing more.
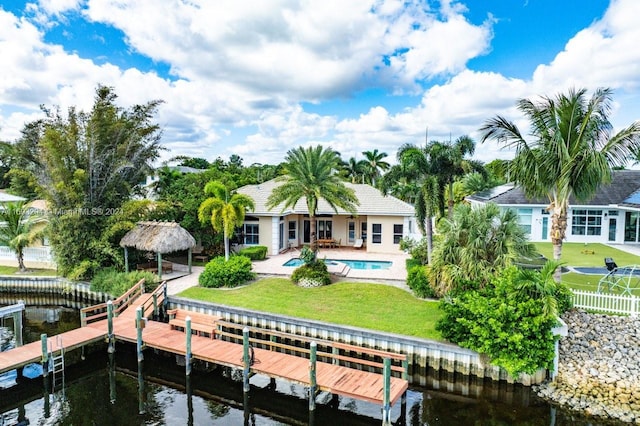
(599, 367)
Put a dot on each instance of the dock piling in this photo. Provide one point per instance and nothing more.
(139, 327)
(386, 391)
(111, 347)
(246, 359)
(45, 355)
(312, 375)
(187, 356)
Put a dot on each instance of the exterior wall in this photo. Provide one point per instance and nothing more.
(386, 245)
(34, 257)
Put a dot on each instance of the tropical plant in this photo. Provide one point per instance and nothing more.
(414, 181)
(353, 169)
(475, 245)
(17, 229)
(221, 272)
(572, 151)
(449, 162)
(374, 165)
(555, 297)
(509, 326)
(311, 173)
(224, 209)
(312, 274)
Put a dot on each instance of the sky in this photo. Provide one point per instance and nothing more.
(257, 78)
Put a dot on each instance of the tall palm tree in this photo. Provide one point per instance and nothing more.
(16, 229)
(374, 164)
(224, 209)
(416, 169)
(311, 174)
(450, 162)
(572, 151)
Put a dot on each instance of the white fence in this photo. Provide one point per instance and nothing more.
(606, 302)
(31, 254)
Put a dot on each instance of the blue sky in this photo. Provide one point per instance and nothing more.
(257, 78)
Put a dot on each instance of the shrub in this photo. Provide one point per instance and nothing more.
(510, 327)
(312, 274)
(418, 280)
(116, 283)
(417, 249)
(231, 273)
(254, 252)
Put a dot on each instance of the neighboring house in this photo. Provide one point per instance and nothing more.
(381, 221)
(611, 216)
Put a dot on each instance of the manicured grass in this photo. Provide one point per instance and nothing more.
(10, 270)
(572, 254)
(590, 282)
(372, 306)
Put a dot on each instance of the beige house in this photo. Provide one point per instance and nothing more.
(381, 222)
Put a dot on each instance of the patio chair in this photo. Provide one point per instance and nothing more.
(358, 243)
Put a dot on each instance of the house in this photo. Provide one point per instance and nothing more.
(381, 221)
(612, 215)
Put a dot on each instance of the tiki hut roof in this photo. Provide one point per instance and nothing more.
(158, 237)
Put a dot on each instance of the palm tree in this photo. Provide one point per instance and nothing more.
(416, 169)
(450, 162)
(476, 244)
(572, 151)
(353, 169)
(374, 165)
(311, 173)
(540, 285)
(224, 209)
(16, 229)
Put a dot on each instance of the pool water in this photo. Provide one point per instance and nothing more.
(353, 264)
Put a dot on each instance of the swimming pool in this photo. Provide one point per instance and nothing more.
(353, 264)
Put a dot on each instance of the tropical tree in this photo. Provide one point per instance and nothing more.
(224, 209)
(353, 169)
(449, 162)
(421, 187)
(312, 174)
(571, 153)
(476, 243)
(16, 229)
(374, 165)
(540, 285)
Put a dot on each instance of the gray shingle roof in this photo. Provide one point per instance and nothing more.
(623, 184)
(372, 202)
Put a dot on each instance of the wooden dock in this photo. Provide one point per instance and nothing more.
(330, 377)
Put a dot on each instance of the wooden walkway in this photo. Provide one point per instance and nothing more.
(332, 378)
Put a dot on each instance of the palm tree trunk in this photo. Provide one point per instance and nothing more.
(226, 246)
(314, 238)
(558, 232)
(20, 256)
(429, 236)
(450, 202)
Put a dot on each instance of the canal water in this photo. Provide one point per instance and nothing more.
(108, 390)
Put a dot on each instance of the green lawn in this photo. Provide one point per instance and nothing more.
(572, 254)
(373, 306)
(10, 270)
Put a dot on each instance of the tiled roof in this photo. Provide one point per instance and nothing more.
(372, 201)
(624, 184)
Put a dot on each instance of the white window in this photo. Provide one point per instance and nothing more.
(376, 233)
(586, 222)
(524, 219)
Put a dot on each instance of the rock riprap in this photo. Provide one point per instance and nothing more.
(599, 367)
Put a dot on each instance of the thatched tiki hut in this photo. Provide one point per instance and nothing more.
(159, 238)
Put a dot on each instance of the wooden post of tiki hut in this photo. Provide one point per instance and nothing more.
(159, 238)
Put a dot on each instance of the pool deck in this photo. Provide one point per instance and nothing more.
(273, 265)
(396, 275)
